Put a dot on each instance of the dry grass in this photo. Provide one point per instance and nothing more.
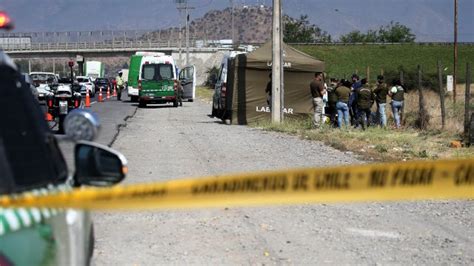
(204, 93)
(454, 111)
(379, 144)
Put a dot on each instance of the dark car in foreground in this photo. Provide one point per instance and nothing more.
(32, 161)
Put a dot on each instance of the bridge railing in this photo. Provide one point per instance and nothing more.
(67, 46)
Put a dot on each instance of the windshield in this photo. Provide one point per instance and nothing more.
(157, 72)
(43, 78)
(101, 80)
(82, 80)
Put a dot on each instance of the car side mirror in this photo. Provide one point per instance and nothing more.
(98, 165)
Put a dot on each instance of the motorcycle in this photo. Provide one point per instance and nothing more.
(62, 100)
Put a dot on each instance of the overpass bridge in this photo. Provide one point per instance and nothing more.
(102, 43)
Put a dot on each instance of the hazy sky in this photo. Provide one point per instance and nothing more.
(431, 20)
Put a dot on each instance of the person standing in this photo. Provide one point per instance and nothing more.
(268, 91)
(365, 99)
(355, 86)
(343, 93)
(398, 97)
(120, 85)
(332, 101)
(317, 91)
(381, 92)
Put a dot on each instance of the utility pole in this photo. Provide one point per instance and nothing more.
(277, 71)
(180, 37)
(183, 5)
(232, 18)
(455, 48)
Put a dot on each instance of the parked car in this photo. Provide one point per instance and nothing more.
(31, 161)
(45, 83)
(104, 84)
(87, 84)
(219, 98)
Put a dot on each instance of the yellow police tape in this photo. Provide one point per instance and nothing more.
(426, 180)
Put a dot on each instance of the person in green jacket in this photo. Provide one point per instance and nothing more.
(365, 99)
(381, 92)
(343, 93)
(120, 85)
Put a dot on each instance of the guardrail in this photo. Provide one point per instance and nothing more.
(88, 46)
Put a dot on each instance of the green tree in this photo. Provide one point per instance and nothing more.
(301, 31)
(352, 37)
(393, 33)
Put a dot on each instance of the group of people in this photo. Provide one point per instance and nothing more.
(351, 101)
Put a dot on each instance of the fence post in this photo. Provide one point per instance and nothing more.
(441, 96)
(402, 77)
(368, 74)
(467, 107)
(422, 116)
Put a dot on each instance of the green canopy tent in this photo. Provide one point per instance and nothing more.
(249, 76)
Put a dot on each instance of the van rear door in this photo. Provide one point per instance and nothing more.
(157, 81)
(187, 77)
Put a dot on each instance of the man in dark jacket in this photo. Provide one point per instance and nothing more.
(381, 92)
(332, 100)
(365, 99)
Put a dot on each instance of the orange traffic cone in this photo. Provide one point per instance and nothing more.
(108, 93)
(115, 91)
(49, 117)
(88, 99)
(100, 95)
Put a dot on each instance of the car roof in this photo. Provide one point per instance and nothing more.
(46, 73)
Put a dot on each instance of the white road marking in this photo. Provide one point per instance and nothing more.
(25, 217)
(373, 233)
(12, 220)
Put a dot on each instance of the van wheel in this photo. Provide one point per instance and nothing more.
(141, 104)
(134, 99)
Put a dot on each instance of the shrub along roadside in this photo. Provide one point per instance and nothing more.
(375, 143)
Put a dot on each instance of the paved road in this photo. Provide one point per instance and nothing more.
(163, 143)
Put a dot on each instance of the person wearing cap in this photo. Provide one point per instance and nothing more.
(120, 85)
(397, 93)
(381, 92)
(317, 91)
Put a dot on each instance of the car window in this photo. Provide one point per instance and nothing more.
(82, 80)
(157, 71)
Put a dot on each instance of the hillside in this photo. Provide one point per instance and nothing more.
(251, 25)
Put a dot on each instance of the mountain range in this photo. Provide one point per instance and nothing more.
(430, 20)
